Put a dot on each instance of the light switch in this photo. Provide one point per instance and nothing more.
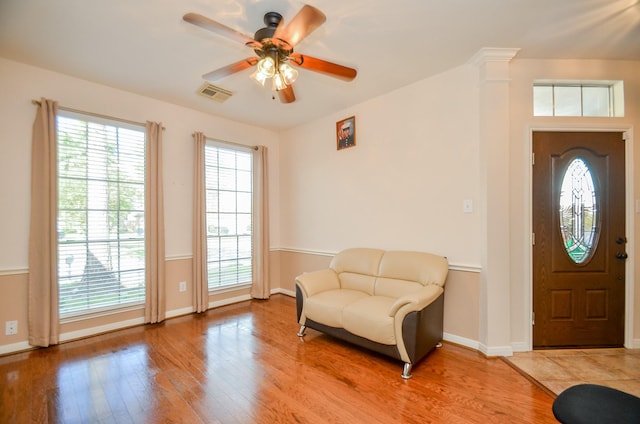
(467, 206)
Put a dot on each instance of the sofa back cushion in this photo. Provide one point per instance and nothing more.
(357, 268)
(392, 287)
(419, 267)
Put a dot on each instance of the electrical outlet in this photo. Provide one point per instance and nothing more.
(11, 328)
(183, 286)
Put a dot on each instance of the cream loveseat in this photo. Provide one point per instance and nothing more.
(391, 302)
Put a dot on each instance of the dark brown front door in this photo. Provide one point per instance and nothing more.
(579, 239)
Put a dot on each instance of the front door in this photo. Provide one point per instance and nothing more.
(579, 239)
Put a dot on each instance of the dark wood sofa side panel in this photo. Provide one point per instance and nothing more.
(423, 330)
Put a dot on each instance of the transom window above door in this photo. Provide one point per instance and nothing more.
(578, 98)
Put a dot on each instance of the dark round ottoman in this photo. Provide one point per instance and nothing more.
(594, 404)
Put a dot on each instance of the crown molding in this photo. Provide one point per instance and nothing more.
(493, 54)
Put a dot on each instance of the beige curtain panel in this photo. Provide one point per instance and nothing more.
(260, 287)
(43, 260)
(155, 303)
(199, 263)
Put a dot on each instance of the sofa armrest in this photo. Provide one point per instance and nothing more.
(416, 301)
(314, 282)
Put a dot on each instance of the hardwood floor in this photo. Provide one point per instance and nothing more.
(244, 363)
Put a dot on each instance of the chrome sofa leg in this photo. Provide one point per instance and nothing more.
(302, 330)
(406, 371)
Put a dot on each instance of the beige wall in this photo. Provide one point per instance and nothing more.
(13, 301)
(293, 264)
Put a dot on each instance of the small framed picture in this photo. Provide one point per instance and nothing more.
(346, 133)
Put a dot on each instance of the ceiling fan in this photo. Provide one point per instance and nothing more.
(273, 46)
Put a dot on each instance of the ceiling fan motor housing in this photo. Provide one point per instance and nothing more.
(277, 49)
(271, 20)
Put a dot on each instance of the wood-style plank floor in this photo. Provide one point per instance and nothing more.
(244, 363)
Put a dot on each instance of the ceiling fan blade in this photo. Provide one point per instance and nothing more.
(304, 23)
(230, 69)
(287, 95)
(220, 29)
(323, 67)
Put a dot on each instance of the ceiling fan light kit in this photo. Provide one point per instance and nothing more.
(273, 46)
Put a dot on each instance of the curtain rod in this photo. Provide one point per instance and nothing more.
(231, 142)
(97, 115)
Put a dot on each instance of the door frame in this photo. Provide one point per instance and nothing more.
(630, 211)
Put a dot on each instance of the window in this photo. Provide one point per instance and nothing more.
(578, 211)
(101, 211)
(229, 194)
(598, 98)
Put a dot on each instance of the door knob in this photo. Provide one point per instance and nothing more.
(621, 255)
(621, 240)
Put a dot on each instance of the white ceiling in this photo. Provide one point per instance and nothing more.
(145, 47)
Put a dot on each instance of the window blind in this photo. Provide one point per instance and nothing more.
(101, 211)
(229, 193)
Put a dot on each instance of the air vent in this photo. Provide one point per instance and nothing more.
(214, 93)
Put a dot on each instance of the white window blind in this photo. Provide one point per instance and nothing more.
(101, 199)
(228, 185)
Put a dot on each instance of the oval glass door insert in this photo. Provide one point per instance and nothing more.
(578, 211)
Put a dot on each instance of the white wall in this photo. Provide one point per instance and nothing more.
(402, 186)
(19, 84)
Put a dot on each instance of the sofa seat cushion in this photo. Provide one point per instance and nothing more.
(368, 317)
(327, 307)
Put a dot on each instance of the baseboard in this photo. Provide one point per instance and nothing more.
(495, 351)
(488, 351)
(92, 331)
(635, 344)
(229, 301)
(462, 341)
(520, 347)
(15, 347)
(290, 293)
(179, 312)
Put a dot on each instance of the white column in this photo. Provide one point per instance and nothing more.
(494, 320)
